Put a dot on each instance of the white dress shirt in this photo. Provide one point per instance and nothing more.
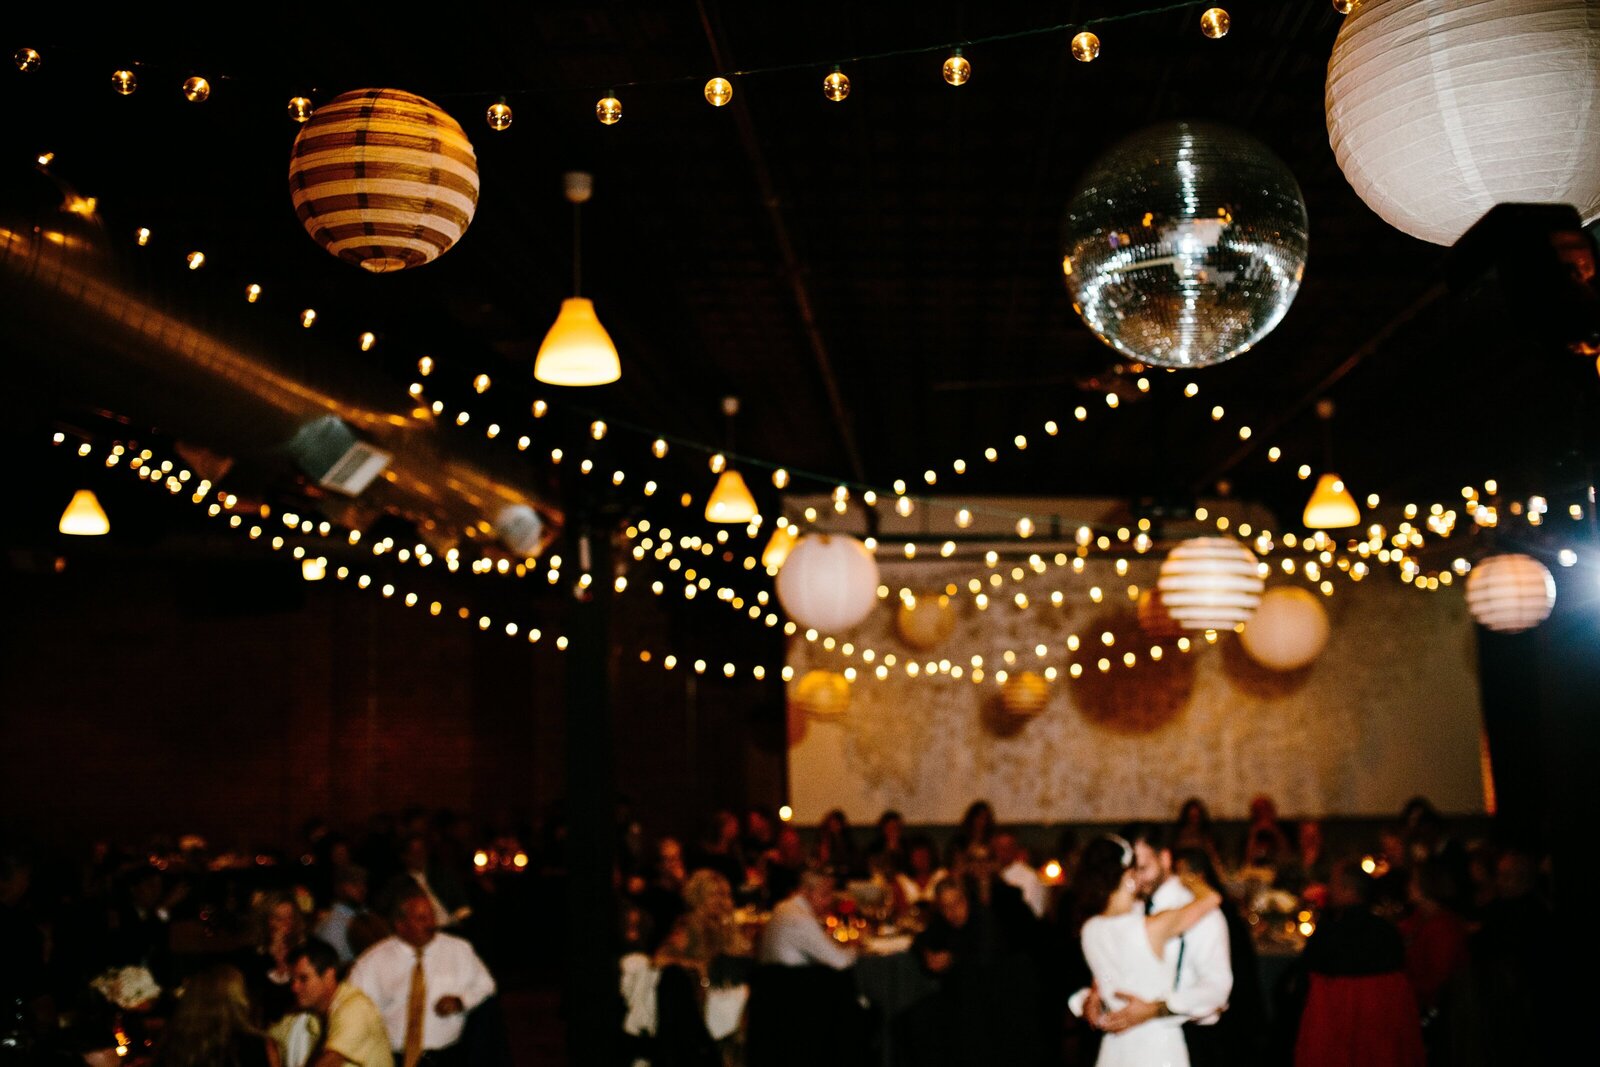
(451, 968)
(1202, 958)
(794, 937)
(1027, 880)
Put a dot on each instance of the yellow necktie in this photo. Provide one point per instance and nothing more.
(416, 1006)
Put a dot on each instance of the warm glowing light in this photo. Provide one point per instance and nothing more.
(608, 109)
(577, 350)
(313, 570)
(957, 70)
(498, 116)
(84, 516)
(836, 86)
(124, 82)
(1331, 506)
(196, 90)
(367, 340)
(1214, 23)
(730, 501)
(1085, 47)
(300, 109)
(27, 60)
(785, 813)
(719, 91)
(308, 317)
(196, 260)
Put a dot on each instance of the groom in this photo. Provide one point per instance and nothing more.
(1200, 958)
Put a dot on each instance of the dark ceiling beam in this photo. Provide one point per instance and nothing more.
(791, 261)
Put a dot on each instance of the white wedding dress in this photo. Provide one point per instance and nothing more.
(1118, 951)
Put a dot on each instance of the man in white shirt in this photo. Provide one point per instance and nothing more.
(795, 936)
(1201, 957)
(1014, 870)
(423, 982)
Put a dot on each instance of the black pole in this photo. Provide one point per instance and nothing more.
(592, 1010)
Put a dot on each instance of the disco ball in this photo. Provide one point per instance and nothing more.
(1184, 244)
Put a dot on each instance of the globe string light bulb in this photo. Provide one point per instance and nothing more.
(124, 82)
(196, 90)
(1344, 7)
(719, 91)
(499, 115)
(27, 60)
(1085, 47)
(836, 86)
(1214, 23)
(957, 69)
(299, 108)
(608, 110)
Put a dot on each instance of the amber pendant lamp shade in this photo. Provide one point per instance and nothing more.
(577, 350)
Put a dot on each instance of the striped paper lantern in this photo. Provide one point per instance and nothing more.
(1210, 583)
(1024, 695)
(1510, 593)
(383, 179)
(821, 694)
(1440, 109)
(1154, 618)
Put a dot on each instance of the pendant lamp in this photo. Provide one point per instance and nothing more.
(577, 350)
(84, 516)
(1331, 506)
(730, 501)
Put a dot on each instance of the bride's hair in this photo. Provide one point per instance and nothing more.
(1100, 871)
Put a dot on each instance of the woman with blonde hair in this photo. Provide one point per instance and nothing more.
(280, 928)
(706, 931)
(211, 1026)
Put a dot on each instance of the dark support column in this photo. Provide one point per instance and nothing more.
(593, 1025)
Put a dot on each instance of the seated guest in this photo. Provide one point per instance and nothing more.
(211, 1025)
(350, 1026)
(782, 866)
(977, 826)
(279, 930)
(424, 983)
(720, 850)
(662, 897)
(759, 833)
(1265, 843)
(1011, 861)
(836, 848)
(1306, 869)
(706, 933)
(1359, 1005)
(915, 885)
(1193, 830)
(888, 849)
(795, 936)
(138, 925)
(349, 901)
(438, 883)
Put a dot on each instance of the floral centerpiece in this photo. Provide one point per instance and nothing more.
(128, 988)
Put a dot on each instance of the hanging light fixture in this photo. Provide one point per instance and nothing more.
(84, 516)
(778, 546)
(730, 501)
(1331, 506)
(577, 350)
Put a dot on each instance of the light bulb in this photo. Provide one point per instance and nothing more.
(1085, 47)
(300, 108)
(957, 70)
(608, 110)
(27, 60)
(836, 86)
(718, 92)
(196, 260)
(1344, 7)
(499, 116)
(1214, 23)
(124, 82)
(196, 90)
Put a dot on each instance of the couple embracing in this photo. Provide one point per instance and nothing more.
(1157, 946)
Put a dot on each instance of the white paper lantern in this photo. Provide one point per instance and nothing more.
(926, 622)
(1210, 583)
(1288, 631)
(1510, 593)
(1024, 695)
(1440, 109)
(829, 582)
(821, 694)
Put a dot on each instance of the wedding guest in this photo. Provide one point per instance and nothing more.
(795, 935)
(706, 932)
(138, 925)
(976, 827)
(888, 846)
(1011, 860)
(349, 902)
(760, 833)
(662, 896)
(439, 884)
(1306, 868)
(720, 851)
(1436, 944)
(783, 865)
(1265, 843)
(352, 1030)
(1193, 830)
(279, 930)
(418, 961)
(211, 1025)
(836, 848)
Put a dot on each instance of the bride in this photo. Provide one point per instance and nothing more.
(1126, 951)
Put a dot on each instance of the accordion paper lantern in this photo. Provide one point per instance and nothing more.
(1210, 583)
(821, 694)
(1024, 695)
(1288, 631)
(828, 583)
(383, 179)
(1510, 593)
(927, 622)
(1440, 109)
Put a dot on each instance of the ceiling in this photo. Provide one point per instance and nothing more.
(877, 280)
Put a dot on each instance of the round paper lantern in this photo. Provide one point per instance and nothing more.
(1510, 593)
(1184, 244)
(927, 622)
(1154, 618)
(1439, 110)
(1210, 583)
(383, 179)
(822, 694)
(1024, 695)
(829, 582)
(1288, 631)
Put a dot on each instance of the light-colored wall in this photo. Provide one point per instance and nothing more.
(1391, 710)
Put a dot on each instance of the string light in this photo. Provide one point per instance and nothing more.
(300, 109)
(124, 82)
(719, 91)
(1214, 23)
(608, 109)
(1085, 47)
(499, 116)
(836, 86)
(957, 69)
(196, 90)
(27, 60)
